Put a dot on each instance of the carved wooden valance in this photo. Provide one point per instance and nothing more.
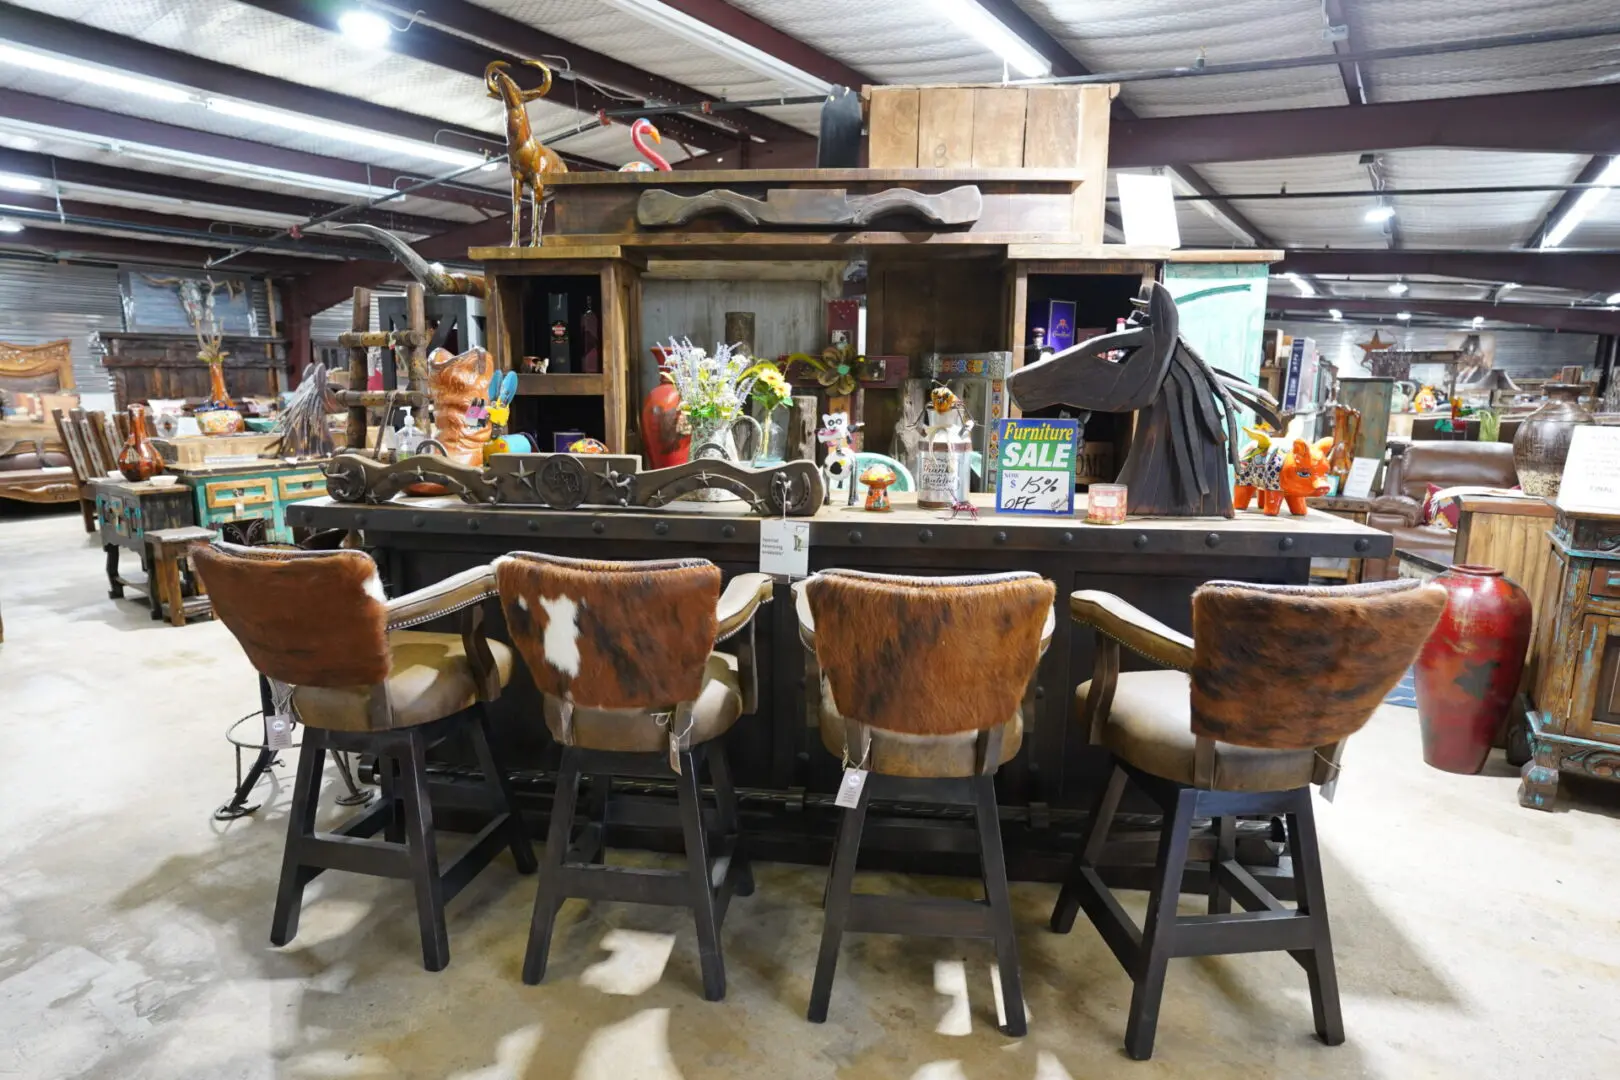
(818, 208)
(569, 481)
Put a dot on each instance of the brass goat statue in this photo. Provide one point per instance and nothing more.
(528, 158)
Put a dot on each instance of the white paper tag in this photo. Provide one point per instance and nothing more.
(278, 728)
(784, 547)
(1330, 789)
(241, 508)
(1358, 485)
(849, 789)
(675, 753)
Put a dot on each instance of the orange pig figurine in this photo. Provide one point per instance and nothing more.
(1279, 477)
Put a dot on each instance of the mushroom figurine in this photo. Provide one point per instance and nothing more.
(877, 479)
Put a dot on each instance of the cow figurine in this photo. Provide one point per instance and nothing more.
(1279, 476)
(835, 435)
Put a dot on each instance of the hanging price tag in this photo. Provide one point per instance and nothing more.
(784, 547)
(278, 729)
(675, 753)
(850, 788)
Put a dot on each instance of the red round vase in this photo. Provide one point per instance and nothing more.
(1469, 668)
(661, 436)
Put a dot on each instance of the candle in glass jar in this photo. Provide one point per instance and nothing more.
(1105, 504)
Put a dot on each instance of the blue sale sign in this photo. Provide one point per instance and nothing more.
(1036, 474)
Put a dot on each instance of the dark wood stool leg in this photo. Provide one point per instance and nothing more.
(1001, 916)
(690, 797)
(1312, 898)
(423, 852)
(1102, 818)
(1158, 934)
(547, 896)
(725, 797)
(300, 827)
(500, 791)
(115, 588)
(601, 796)
(840, 883)
(388, 782)
(1220, 901)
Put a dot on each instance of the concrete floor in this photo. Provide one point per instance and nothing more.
(1475, 939)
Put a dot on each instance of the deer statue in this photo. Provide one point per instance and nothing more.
(528, 158)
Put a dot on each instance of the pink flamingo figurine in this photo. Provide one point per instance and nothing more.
(639, 131)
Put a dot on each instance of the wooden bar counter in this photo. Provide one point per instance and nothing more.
(787, 780)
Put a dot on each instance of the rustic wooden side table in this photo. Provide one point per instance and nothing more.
(167, 549)
(126, 513)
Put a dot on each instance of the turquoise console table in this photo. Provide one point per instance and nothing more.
(255, 490)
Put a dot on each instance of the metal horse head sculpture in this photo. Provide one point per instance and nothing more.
(528, 158)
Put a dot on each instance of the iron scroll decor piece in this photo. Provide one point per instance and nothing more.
(827, 208)
(569, 481)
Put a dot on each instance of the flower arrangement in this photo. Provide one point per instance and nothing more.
(715, 389)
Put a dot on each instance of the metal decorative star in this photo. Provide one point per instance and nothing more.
(1475, 679)
(1377, 344)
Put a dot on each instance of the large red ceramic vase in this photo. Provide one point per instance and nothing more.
(1469, 668)
(661, 436)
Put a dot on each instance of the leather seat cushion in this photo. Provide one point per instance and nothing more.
(1150, 727)
(429, 679)
(897, 753)
(718, 705)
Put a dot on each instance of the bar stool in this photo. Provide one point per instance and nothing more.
(922, 681)
(1279, 677)
(361, 681)
(623, 653)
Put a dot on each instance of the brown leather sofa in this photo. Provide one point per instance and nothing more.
(1399, 511)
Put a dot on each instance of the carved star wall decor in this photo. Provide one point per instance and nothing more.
(1377, 344)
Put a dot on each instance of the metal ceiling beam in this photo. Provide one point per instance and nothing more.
(46, 211)
(1588, 174)
(1066, 65)
(768, 39)
(469, 20)
(1584, 119)
(81, 42)
(66, 244)
(1577, 270)
(1575, 320)
(502, 38)
(1356, 90)
(118, 128)
(134, 182)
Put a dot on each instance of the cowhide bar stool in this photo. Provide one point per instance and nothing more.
(922, 680)
(362, 681)
(624, 654)
(1253, 711)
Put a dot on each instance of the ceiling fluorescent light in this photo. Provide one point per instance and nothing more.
(1507, 286)
(87, 73)
(701, 34)
(1300, 283)
(1613, 298)
(13, 182)
(8, 226)
(989, 31)
(1479, 321)
(365, 28)
(1583, 206)
(1403, 315)
(1380, 213)
(1336, 313)
(1399, 288)
(310, 125)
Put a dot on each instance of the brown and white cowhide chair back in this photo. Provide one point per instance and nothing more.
(622, 651)
(305, 618)
(320, 622)
(1298, 667)
(925, 676)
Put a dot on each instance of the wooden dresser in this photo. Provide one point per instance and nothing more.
(1574, 726)
(260, 489)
